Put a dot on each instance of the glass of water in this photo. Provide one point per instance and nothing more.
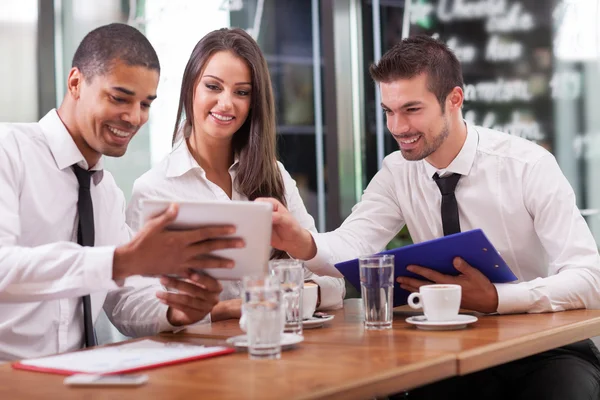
(264, 319)
(377, 289)
(291, 278)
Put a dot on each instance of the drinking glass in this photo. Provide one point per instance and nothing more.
(291, 278)
(377, 289)
(263, 311)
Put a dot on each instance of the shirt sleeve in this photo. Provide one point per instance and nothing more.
(332, 288)
(47, 272)
(134, 309)
(374, 221)
(573, 271)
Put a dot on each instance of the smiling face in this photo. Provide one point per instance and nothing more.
(110, 108)
(222, 97)
(414, 117)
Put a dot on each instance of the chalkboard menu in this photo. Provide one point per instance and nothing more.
(530, 69)
(505, 48)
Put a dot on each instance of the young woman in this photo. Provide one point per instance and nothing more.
(224, 148)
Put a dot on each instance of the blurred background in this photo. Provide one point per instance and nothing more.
(531, 69)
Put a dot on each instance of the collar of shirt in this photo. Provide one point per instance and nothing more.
(181, 161)
(63, 147)
(463, 162)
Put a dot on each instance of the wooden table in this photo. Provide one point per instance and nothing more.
(493, 340)
(499, 339)
(341, 360)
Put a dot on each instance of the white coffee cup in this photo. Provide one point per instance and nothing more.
(439, 302)
(309, 299)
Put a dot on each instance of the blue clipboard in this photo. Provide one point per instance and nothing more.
(473, 246)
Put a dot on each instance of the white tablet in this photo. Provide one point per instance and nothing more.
(251, 219)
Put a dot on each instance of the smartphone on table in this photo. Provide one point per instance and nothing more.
(106, 380)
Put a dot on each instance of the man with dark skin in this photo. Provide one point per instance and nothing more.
(43, 271)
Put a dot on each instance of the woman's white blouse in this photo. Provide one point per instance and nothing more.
(180, 178)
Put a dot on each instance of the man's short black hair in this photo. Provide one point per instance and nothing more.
(421, 54)
(102, 47)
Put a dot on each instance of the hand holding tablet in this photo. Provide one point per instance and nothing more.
(252, 222)
(158, 250)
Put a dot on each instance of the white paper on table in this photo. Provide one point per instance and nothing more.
(129, 356)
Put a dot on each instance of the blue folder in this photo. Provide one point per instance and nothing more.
(473, 246)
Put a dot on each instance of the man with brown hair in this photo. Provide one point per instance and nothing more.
(451, 176)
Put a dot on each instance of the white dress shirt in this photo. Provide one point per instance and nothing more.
(513, 190)
(43, 271)
(180, 178)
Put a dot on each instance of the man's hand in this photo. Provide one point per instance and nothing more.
(478, 293)
(288, 235)
(195, 298)
(156, 250)
(227, 309)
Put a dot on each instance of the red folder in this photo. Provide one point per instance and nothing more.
(118, 360)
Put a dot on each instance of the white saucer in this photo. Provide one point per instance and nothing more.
(313, 322)
(288, 340)
(461, 321)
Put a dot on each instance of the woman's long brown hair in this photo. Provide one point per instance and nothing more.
(254, 143)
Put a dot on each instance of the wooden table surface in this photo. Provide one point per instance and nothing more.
(340, 360)
(492, 340)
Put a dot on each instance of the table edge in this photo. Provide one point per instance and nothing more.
(494, 354)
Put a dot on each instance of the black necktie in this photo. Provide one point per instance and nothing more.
(85, 237)
(447, 184)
